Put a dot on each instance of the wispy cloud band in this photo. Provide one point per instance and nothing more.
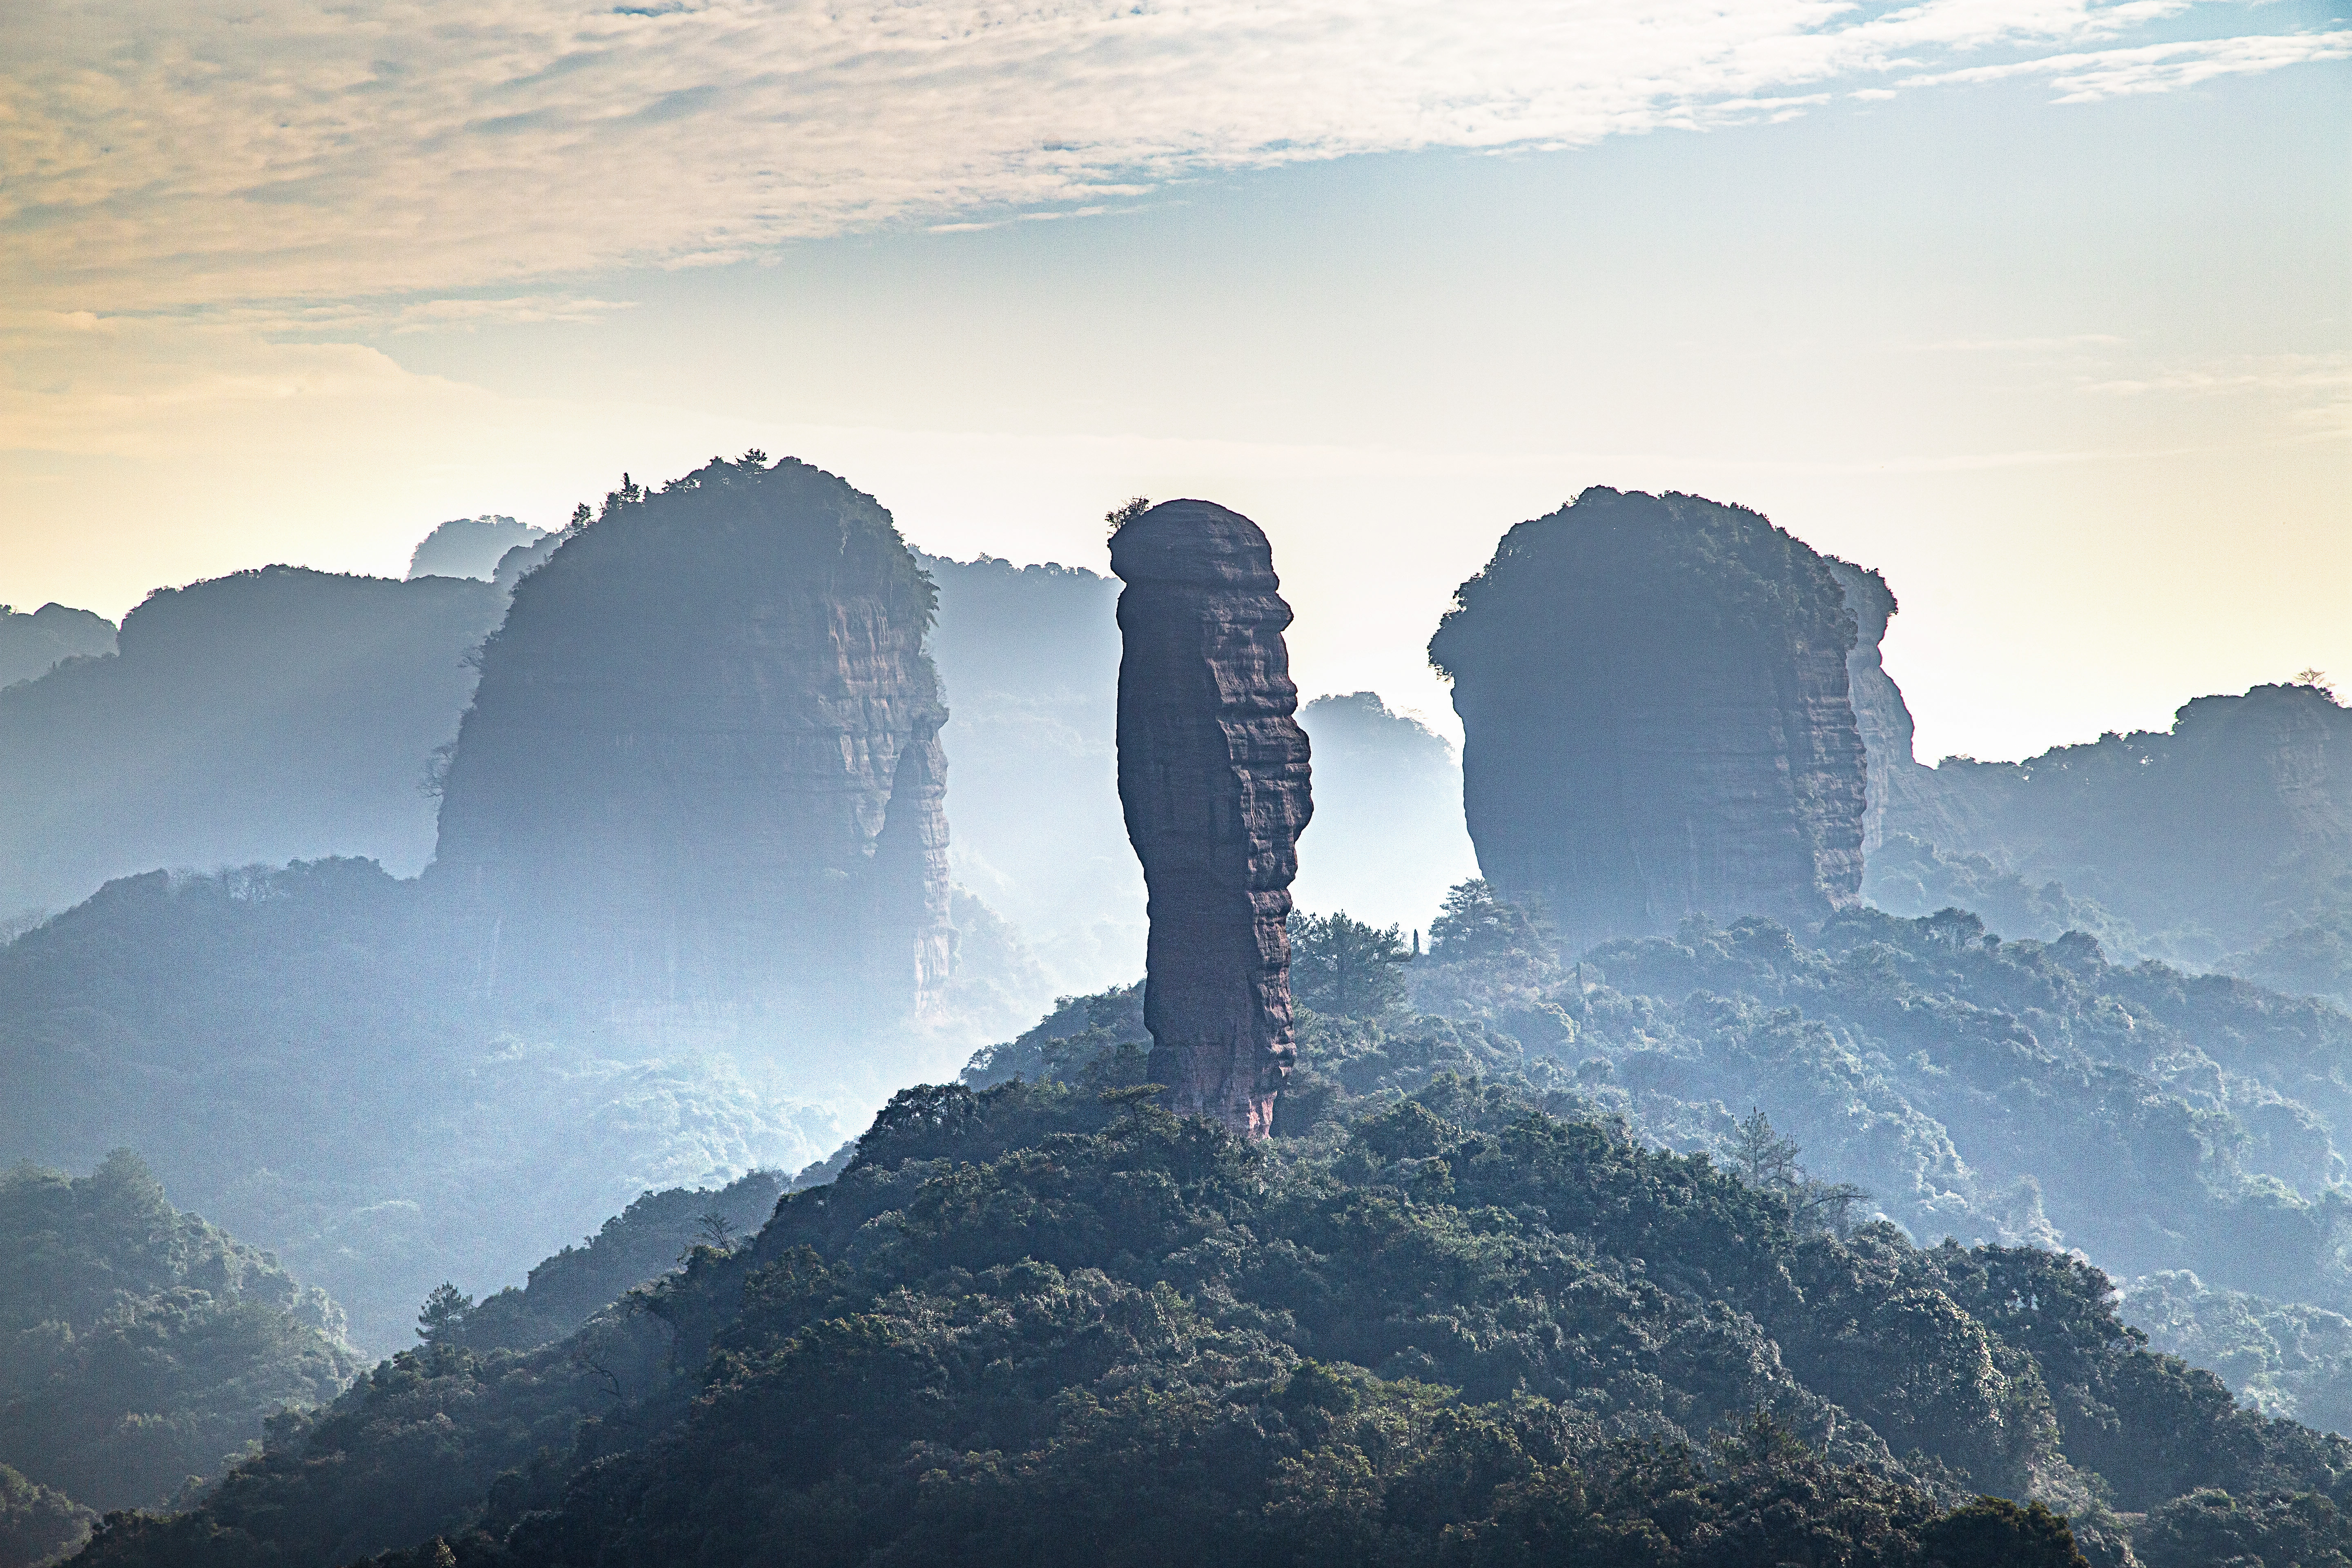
(159, 152)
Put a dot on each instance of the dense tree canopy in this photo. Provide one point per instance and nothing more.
(139, 1347)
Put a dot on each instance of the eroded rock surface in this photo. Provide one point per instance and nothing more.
(1654, 702)
(702, 768)
(1879, 710)
(1214, 779)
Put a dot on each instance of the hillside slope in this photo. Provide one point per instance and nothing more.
(1048, 1324)
(141, 1348)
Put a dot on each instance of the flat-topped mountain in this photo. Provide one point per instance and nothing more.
(1654, 705)
(702, 768)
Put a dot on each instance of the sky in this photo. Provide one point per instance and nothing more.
(2043, 308)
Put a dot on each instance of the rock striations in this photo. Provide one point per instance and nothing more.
(1212, 776)
(703, 762)
(1879, 711)
(1656, 717)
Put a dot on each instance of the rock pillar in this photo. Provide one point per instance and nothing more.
(1212, 777)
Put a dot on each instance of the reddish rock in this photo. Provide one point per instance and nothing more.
(1212, 776)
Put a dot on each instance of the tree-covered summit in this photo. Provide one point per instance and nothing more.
(1044, 1321)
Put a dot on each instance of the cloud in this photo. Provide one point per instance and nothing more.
(159, 152)
(2088, 78)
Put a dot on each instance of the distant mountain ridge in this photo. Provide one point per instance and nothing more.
(33, 645)
(267, 716)
(2225, 841)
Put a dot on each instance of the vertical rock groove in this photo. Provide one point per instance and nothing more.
(1213, 780)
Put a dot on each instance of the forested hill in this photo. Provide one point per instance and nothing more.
(1046, 1322)
(141, 1348)
(2011, 1091)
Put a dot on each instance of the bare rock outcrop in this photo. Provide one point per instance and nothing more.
(1656, 719)
(702, 770)
(1896, 779)
(1214, 779)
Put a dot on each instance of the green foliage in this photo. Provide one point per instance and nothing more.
(1099, 1039)
(642, 1242)
(1765, 582)
(2219, 835)
(1046, 1323)
(434, 1441)
(2312, 960)
(1126, 511)
(1498, 963)
(2279, 1531)
(2010, 1090)
(1994, 1533)
(2286, 1358)
(1345, 968)
(1908, 876)
(39, 1524)
(1461, 1307)
(443, 1315)
(1476, 925)
(139, 1347)
(275, 1044)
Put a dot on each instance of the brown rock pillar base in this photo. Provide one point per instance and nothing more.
(1212, 776)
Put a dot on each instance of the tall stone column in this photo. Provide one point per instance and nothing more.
(1212, 776)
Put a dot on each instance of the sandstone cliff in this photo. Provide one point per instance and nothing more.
(702, 771)
(1896, 779)
(1214, 779)
(1654, 694)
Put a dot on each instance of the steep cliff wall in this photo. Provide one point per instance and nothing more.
(702, 769)
(1212, 776)
(1879, 711)
(1656, 721)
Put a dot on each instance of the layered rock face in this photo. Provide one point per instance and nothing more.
(1656, 719)
(1214, 779)
(702, 769)
(1879, 711)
